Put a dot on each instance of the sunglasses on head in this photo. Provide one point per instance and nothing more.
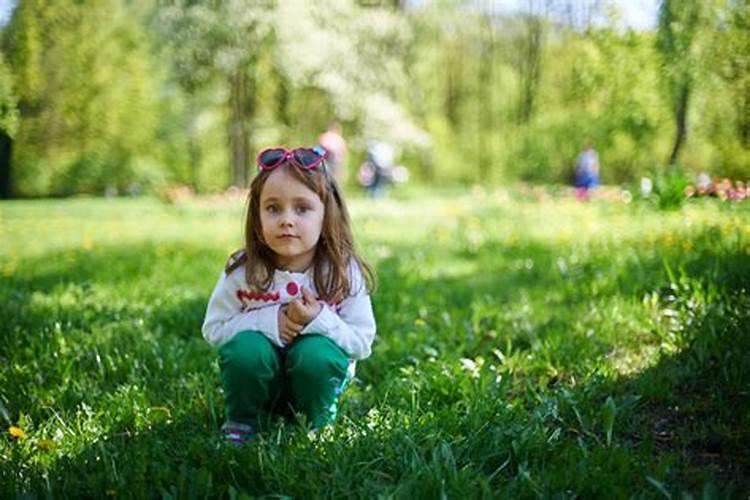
(304, 158)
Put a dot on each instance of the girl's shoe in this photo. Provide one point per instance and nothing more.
(237, 434)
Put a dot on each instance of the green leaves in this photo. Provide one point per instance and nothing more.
(8, 101)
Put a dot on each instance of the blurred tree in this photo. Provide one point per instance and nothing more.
(469, 91)
(680, 24)
(8, 127)
(734, 66)
(455, 72)
(529, 65)
(725, 94)
(191, 64)
(529, 43)
(579, 14)
(355, 57)
(85, 93)
(219, 39)
(416, 95)
(486, 77)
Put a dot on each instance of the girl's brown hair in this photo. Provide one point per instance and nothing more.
(335, 249)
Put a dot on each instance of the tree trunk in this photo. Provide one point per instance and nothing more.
(453, 82)
(485, 99)
(194, 152)
(680, 120)
(744, 119)
(239, 130)
(6, 155)
(530, 66)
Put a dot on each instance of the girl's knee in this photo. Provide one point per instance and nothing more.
(316, 356)
(248, 351)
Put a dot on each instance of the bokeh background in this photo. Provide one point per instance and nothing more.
(531, 343)
(132, 96)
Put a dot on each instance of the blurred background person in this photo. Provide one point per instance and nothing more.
(335, 146)
(587, 171)
(375, 174)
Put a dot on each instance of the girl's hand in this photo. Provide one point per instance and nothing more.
(288, 328)
(305, 310)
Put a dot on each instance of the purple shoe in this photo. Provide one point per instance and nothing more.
(237, 434)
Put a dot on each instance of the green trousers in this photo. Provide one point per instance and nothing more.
(260, 380)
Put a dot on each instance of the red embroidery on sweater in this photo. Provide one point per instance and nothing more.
(245, 295)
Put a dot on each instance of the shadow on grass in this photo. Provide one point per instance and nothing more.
(695, 405)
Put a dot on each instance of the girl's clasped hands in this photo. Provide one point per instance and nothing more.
(294, 316)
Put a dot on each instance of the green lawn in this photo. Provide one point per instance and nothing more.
(525, 349)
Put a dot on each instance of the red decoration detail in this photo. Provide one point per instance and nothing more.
(246, 295)
(292, 288)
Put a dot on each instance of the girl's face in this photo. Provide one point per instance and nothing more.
(291, 218)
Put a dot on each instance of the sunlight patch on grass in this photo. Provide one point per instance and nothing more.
(628, 362)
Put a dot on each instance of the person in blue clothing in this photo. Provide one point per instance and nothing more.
(376, 173)
(587, 172)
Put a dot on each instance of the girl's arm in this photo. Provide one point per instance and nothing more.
(225, 318)
(352, 324)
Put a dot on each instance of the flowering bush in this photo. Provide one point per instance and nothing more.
(724, 189)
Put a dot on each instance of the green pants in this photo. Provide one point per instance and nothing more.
(260, 379)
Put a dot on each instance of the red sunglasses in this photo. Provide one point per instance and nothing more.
(304, 158)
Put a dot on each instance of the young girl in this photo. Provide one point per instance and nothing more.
(291, 311)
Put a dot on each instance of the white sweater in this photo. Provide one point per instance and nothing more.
(233, 308)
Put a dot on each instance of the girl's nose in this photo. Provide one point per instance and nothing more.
(286, 220)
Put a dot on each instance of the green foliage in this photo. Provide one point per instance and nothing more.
(85, 89)
(669, 187)
(681, 22)
(729, 128)
(524, 350)
(192, 89)
(8, 101)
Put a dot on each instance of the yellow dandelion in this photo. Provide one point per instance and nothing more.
(16, 432)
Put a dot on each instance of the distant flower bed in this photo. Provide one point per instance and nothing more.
(665, 192)
(724, 189)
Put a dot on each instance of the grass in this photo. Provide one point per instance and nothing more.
(526, 349)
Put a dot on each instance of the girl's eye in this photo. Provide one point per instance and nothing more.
(302, 209)
(272, 209)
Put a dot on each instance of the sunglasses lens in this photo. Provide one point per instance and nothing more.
(307, 157)
(271, 157)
